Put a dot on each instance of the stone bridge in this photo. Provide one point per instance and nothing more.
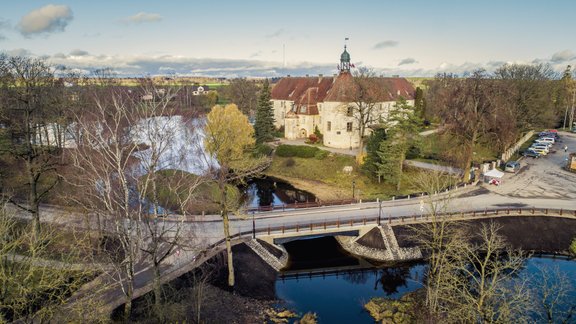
(375, 238)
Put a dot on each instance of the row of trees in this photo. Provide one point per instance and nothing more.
(497, 108)
(475, 109)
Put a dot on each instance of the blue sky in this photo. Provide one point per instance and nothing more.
(274, 38)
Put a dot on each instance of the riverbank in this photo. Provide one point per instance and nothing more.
(321, 190)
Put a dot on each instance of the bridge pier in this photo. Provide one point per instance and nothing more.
(389, 250)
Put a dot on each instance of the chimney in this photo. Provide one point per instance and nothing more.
(288, 76)
(320, 76)
(307, 75)
(398, 92)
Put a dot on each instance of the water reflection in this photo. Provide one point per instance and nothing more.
(393, 280)
(268, 191)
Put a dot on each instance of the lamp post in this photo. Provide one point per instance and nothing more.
(353, 188)
(379, 211)
(253, 226)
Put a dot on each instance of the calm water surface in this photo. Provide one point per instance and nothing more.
(338, 297)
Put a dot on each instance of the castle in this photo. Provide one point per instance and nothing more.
(330, 103)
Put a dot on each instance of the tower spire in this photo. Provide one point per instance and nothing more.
(345, 59)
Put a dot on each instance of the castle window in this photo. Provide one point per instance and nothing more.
(349, 127)
(328, 126)
(350, 111)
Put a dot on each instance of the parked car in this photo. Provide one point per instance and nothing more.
(545, 140)
(512, 166)
(540, 151)
(542, 146)
(549, 134)
(531, 153)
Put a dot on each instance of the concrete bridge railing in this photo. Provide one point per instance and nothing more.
(320, 227)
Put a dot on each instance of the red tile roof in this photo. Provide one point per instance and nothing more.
(309, 91)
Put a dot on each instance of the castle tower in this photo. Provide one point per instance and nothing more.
(345, 61)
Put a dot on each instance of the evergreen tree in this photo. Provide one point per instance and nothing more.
(264, 124)
(420, 103)
(372, 147)
(402, 133)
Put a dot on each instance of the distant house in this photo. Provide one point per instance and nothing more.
(303, 103)
(200, 90)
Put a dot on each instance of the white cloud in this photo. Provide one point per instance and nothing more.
(78, 52)
(19, 52)
(562, 56)
(407, 60)
(385, 44)
(4, 24)
(48, 19)
(143, 17)
(277, 33)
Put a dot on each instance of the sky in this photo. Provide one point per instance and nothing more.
(267, 38)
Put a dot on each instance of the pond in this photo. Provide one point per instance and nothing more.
(338, 294)
(266, 191)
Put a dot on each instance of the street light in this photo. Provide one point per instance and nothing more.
(253, 226)
(379, 211)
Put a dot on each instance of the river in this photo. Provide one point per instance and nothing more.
(339, 296)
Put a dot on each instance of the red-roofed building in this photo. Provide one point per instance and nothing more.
(303, 103)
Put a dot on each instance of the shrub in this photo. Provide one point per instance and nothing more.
(321, 154)
(301, 151)
(318, 133)
(262, 150)
(313, 139)
(289, 162)
(573, 247)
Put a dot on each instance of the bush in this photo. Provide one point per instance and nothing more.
(301, 151)
(321, 154)
(413, 152)
(573, 247)
(313, 139)
(289, 162)
(262, 150)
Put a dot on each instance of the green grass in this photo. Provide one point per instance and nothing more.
(440, 148)
(329, 171)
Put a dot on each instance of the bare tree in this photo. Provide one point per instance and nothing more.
(31, 105)
(551, 290)
(438, 237)
(469, 107)
(480, 283)
(123, 141)
(243, 93)
(366, 92)
(34, 281)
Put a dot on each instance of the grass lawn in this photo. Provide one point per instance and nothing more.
(439, 148)
(319, 176)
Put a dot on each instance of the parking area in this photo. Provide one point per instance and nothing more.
(543, 177)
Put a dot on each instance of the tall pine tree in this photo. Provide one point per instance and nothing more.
(264, 124)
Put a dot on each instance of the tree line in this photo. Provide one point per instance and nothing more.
(479, 108)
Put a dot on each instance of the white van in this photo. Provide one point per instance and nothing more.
(545, 140)
(542, 146)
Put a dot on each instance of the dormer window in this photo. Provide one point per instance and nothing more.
(303, 109)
